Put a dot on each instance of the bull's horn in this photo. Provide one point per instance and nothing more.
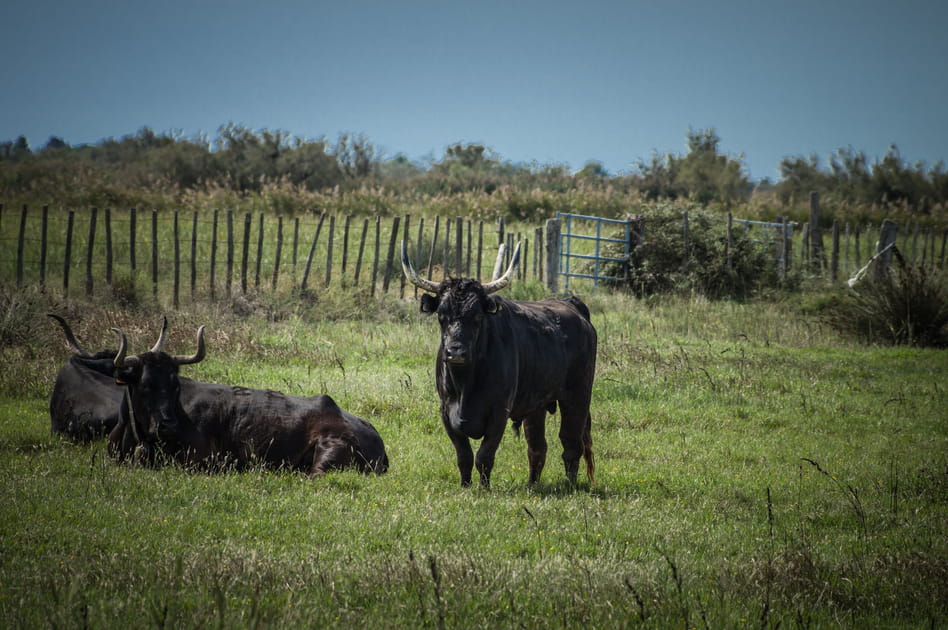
(197, 356)
(163, 337)
(412, 275)
(496, 285)
(120, 359)
(70, 338)
(499, 263)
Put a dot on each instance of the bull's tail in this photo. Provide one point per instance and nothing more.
(588, 451)
(580, 306)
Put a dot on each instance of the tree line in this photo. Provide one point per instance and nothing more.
(246, 161)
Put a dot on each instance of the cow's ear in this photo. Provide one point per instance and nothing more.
(492, 305)
(429, 303)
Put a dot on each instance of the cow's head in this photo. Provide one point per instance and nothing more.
(153, 389)
(462, 304)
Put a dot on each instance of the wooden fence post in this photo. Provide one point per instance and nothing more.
(480, 246)
(434, 244)
(67, 257)
(886, 238)
(279, 252)
(259, 262)
(132, 218)
(194, 232)
(365, 232)
(108, 247)
(245, 254)
(459, 246)
(345, 245)
(375, 257)
(19, 248)
(43, 234)
(296, 240)
(467, 261)
(538, 253)
(816, 235)
(312, 252)
(944, 241)
(391, 253)
(406, 234)
(552, 254)
(93, 216)
(846, 256)
(229, 279)
(154, 253)
(177, 262)
(211, 282)
(447, 248)
(329, 241)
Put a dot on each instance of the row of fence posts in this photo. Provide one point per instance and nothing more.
(448, 248)
(454, 250)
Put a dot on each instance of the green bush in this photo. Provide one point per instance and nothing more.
(661, 264)
(908, 306)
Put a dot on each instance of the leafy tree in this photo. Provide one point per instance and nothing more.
(704, 174)
(357, 157)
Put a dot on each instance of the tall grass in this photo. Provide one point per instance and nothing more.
(753, 471)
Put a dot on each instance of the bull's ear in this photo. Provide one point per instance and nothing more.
(429, 303)
(492, 305)
(127, 376)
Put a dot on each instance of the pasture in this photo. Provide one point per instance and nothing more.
(753, 470)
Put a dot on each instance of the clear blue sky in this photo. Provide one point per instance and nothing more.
(548, 82)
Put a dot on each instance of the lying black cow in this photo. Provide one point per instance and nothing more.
(502, 359)
(201, 424)
(85, 402)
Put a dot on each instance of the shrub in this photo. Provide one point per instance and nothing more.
(660, 263)
(908, 306)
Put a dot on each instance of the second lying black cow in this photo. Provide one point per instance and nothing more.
(203, 424)
(85, 401)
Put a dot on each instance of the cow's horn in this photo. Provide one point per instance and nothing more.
(197, 356)
(70, 338)
(496, 285)
(412, 275)
(163, 337)
(121, 360)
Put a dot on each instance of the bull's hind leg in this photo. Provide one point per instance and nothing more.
(576, 440)
(534, 430)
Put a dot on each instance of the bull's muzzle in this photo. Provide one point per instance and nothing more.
(456, 358)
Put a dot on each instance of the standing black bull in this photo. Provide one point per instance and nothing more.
(203, 424)
(502, 359)
(85, 401)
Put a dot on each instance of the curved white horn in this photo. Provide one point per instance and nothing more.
(163, 337)
(70, 338)
(197, 356)
(496, 285)
(120, 359)
(412, 275)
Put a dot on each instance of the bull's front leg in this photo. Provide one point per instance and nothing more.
(465, 455)
(486, 452)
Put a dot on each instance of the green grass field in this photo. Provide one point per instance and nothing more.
(753, 470)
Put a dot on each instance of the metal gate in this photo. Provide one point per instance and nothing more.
(581, 245)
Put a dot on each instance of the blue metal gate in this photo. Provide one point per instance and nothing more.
(581, 240)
